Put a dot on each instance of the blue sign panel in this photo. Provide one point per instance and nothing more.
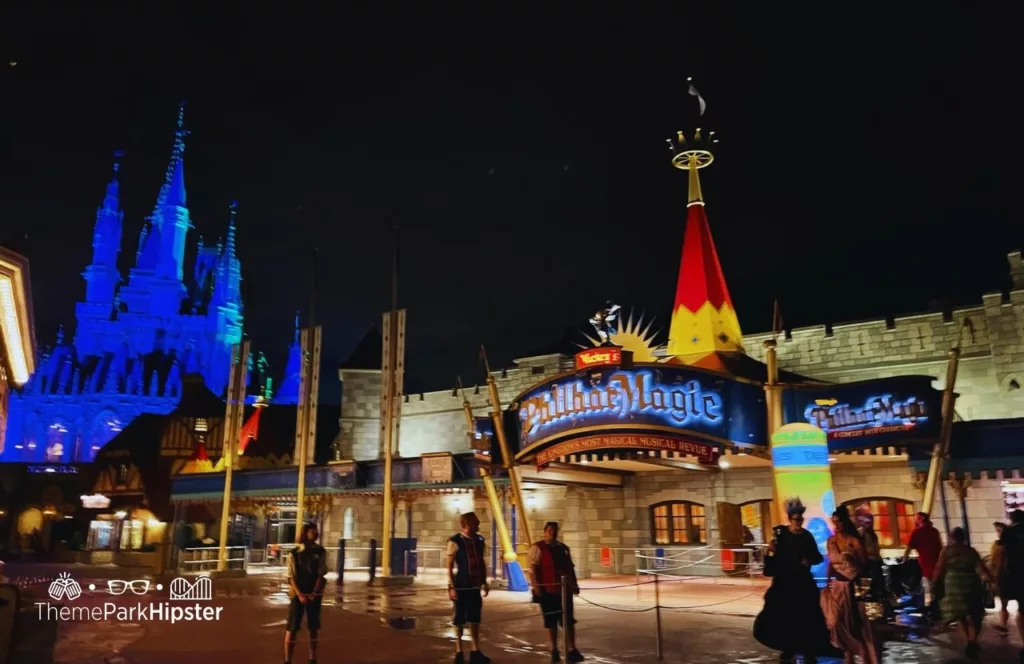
(665, 399)
(869, 413)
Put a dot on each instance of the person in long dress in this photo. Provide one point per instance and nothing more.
(847, 618)
(961, 571)
(791, 620)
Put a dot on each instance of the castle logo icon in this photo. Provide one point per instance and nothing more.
(64, 587)
(201, 589)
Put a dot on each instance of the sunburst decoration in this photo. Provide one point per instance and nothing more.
(635, 336)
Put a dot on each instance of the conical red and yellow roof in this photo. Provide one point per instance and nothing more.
(704, 321)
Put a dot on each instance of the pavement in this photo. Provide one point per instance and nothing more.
(702, 621)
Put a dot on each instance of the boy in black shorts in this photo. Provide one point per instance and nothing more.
(307, 572)
(467, 579)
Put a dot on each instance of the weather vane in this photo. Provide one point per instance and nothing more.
(604, 321)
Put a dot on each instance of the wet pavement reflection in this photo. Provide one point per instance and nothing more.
(512, 630)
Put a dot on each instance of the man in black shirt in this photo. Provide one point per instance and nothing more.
(1008, 561)
(467, 585)
(307, 572)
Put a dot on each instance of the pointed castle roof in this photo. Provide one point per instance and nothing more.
(704, 322)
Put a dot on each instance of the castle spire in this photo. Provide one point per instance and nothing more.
(704, 320)
(171, 216)
(101, 276)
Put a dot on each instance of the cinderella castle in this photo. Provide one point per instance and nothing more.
(135, 338)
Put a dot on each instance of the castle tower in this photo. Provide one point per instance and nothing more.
(101, 276)
(704, 321)
(171, 217)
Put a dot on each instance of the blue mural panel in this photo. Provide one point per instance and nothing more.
(871, 413)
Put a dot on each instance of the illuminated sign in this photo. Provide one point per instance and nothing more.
(704, 452)
(60, 470)
(882, 414)
(626, 393)
(666, 400)
(602, 356)
(866, 413)
(97, 501)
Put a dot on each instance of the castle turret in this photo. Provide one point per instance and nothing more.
(172, 219)
(101, 276)
(704, 321)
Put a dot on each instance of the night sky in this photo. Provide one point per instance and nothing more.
(864, 169)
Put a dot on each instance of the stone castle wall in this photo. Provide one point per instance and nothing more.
(989, 381)
(430, 422)
(620, 519)
(992, 351)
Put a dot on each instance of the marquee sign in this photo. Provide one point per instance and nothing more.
(602, 356)
(867, 413)
(672, 402)
(705, 452)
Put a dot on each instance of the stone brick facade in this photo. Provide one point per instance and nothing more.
(989, 384)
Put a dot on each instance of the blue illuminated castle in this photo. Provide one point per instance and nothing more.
(136, 337)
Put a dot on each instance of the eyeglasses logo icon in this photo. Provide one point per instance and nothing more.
(118, 587)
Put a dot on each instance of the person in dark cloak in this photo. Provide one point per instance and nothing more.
(791, 620)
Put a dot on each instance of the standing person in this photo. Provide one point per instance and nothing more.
(846, 617)
(1009, 559)
(998, 573)
(467, 579)
(791, 620)
(873, 551)
(307, 575)
(549, 561)
(926, 541)
(963, 599)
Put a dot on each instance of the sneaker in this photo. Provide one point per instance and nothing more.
(460, 658)
(555, 657)
(574, 656)
(477, 657)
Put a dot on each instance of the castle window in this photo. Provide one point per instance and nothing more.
(678, 522)
(894, 518)
(122, 474)
(348, 523)
(201, 424)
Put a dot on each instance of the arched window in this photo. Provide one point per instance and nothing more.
(348, 523)
(678, 522)
(756, 516)
(894, 518)
(104, 428)
(56, 439)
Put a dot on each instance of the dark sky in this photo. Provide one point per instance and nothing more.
(865, 166)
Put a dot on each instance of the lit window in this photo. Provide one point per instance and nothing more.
(894, 518)
(678, 522)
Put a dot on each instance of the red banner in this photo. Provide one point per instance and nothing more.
(602, 356)
(705, 452)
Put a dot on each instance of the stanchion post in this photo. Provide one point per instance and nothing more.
(341, 561)
(373, 560)
(566, 620)
(657, 615)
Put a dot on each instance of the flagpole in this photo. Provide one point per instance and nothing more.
(941, 449)
(310, 340)
(499, 431)
(389, 414)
